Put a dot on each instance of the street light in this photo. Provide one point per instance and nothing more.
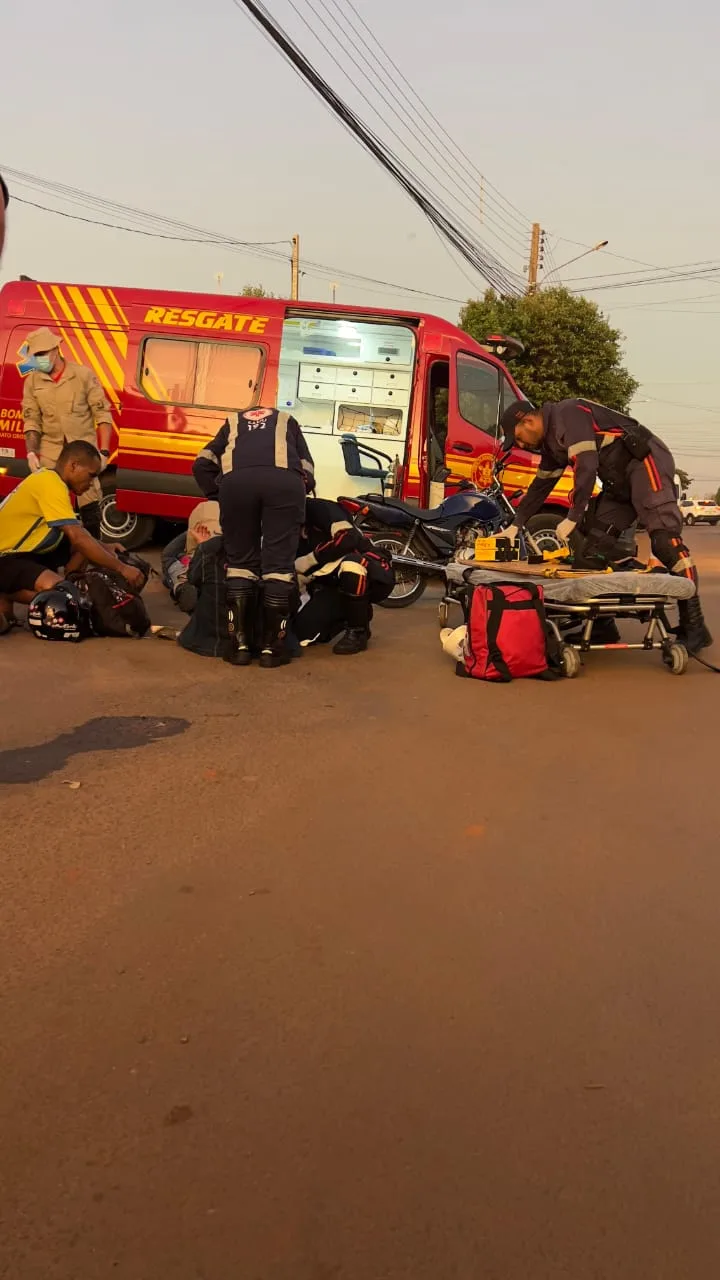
(602, 244)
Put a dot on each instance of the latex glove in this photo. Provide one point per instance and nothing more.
(510, 533)
(33, 462)
(565, 528)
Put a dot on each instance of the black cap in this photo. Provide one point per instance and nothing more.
(514, 413)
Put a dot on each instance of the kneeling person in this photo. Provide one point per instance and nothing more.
(344, 574)
(41, 536)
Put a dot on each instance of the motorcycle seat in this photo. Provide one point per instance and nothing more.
(418, 513)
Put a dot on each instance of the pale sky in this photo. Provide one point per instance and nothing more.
(598, 120)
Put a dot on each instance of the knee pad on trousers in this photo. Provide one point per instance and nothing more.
(352, 579)
(672, 552)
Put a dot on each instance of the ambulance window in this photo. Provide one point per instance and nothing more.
(478, 391)
(508, 395)
(203, 375)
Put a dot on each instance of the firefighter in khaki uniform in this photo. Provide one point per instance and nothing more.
(63, 402)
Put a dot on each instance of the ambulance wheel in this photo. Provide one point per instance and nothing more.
(675, 657)
(127, 527)
(570, 659)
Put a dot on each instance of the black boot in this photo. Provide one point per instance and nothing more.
(355, 640)
(276, 612)
(242, 609)
(692, 631)
(90, 517)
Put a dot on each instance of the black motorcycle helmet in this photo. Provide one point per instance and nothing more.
(59, 614)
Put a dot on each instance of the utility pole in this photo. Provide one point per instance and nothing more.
(295, 269)
(534, 257)
(333, 289)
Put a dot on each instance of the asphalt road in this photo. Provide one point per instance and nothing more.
(355, 970)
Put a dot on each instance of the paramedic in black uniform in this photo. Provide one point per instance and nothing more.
(345, 576)
(256, 466)
(637, 472)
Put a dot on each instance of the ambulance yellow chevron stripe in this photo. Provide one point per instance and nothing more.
(94, 330)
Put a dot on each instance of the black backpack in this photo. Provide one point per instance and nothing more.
(115, 610)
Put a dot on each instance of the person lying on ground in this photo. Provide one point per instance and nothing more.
(41, 536)
(178, 553)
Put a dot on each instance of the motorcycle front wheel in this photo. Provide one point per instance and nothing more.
(543, 529)
(409, 584)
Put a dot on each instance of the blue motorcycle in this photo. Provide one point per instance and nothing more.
(421, 542)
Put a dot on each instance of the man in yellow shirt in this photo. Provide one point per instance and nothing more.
(63, 401)
(41, 537)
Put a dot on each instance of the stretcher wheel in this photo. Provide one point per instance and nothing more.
(675, 657)
(570, 659)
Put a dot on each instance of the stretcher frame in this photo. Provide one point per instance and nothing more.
(649, 609)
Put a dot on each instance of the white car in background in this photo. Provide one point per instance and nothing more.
(699, 511)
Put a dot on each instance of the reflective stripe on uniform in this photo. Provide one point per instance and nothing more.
(338, 526)
(583, 446)
(227, 457)
(278, 577)
(683, 565)
(241, 573)
(281, 441)
(352, 566)
(653, 474)
(209, 455)
(308, 466)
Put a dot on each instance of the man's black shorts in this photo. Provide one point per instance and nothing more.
(20, 571)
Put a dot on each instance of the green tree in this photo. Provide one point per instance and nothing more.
(570, 347)
(684, 478)
(255, 291)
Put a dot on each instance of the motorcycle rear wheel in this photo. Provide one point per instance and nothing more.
(409, 584)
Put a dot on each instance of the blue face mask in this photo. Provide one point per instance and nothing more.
(45, 362)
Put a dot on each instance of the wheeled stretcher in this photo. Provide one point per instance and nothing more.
(573, 601)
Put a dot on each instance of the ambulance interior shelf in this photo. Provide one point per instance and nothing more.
(338, 376)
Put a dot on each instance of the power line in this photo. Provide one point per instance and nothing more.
(660, 302)
(394, 133)
(446, 161)
(481, 259)
(443, 136)
(140, 231)
(204, 237)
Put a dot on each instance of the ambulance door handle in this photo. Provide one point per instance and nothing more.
(459, 446)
